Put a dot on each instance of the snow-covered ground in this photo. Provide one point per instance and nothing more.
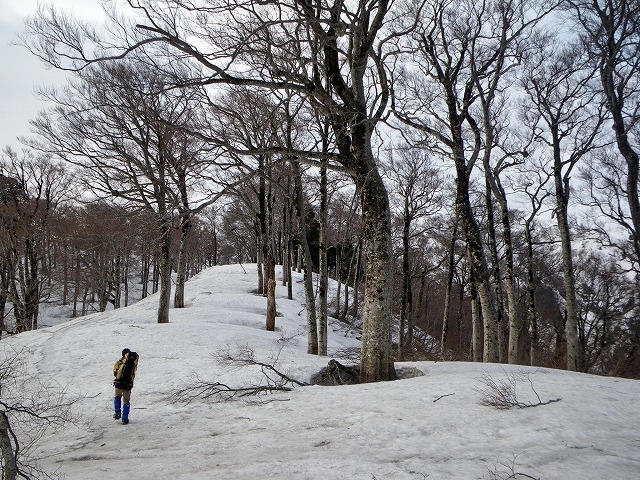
(431, 426)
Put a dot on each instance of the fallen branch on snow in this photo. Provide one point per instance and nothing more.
(501, 394)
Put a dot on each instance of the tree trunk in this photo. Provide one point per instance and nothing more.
(270, 259)
(181, 274)
(514, 324)
(569, 286)
(262, 226)
(477, 327)
(310, 301)
(155, 274)
(376, 362)
(562, 202)
(290, 268)
(339, 286)
(76, 286)
(475, 253)
(480, 278)
(117, 284)
(323, 270)
(618, 27)
(10, 466)
(356, 281)
(515, 320)
(144, 274)
(502, 325)
(299, 258)
(286, 242)
(405, 294)
(65, 276)
(531, 301)
(271, 291)
(345, 310)
(421, 305)
(165, 271)
(4, 294)
(126, 282)
(261, 289)
(447, 296)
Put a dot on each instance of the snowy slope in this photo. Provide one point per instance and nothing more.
(431, 426)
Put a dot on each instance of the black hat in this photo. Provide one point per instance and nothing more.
(125, 351)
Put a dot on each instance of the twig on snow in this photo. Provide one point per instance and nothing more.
(442, 396)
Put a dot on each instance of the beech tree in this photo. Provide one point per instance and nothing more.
(610, 32)
(533, 186)
(31, 189)
(416, 184)
(608, 220)
(605, 301)
(244, 119)
(331, 53)
(115, 124)
(566, 120)
(462, 51)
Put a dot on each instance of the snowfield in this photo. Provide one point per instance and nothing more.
(426, 427)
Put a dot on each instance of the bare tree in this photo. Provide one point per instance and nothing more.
(462, 51)
(323, 266)
(606, 303)
(566, 120)
(331, 53)
(33, 186)
(33, 406)
(449, 284)
(117, 124)
(247, 119)
(610, 30)
(533, 185)
(416, 184)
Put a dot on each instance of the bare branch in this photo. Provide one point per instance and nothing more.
(241, 357)
(501, 394)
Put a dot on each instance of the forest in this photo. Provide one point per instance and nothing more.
(467, 171)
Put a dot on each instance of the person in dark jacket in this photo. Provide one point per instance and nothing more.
(124, 372)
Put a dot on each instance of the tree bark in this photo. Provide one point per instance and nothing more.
(181, 274)
(447, 295)
(477, 260)
(477, 327)
(323, 269)
(310, 301)
(405, 294)
(271, 291)
(376, 357)
(355, 304)
(573, 355)
(514, 324)
(10, 466)
(531, 301)
(165, 270)
(503, 327)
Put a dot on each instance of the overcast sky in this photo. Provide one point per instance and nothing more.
(22, 72)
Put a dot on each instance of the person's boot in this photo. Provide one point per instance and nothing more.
(116, 406)
(125, 413)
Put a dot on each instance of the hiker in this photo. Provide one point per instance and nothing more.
(125, 371)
